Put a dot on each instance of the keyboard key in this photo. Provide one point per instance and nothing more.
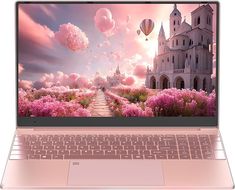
(24, 152)
(36, 147)
(208, 156)
(133, 152)
(217, 145)
(18, 147)
(219, 154)
(118, 147)
(158, 152)
(137, 143)
(172, 152)
(62, 152)
(53, 152)
(164, 148)
(106, 147)
(98, 152)
(196, 156)
(59, 147)
(126, 157)
(94, 147)
(161, 156)
(34, 156)
(18, 157)
(57, 156)
(149, 156)
(140, 147)
(195, 147)
(45, 156)
(40, 152)
(109, 152)
(172, 156)
(83, 147)
(71, 147)
(152, 148)
(138, 156)
(48, 147)
(129, 147)
(184, 156)
(75, 152)
(144, 152)
(86, 152)
(121, 152)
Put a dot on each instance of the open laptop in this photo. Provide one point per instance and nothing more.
(117, 95)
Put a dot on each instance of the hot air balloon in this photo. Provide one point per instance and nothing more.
(138, 32)
(146, 26)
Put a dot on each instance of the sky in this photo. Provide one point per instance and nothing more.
(90, 39)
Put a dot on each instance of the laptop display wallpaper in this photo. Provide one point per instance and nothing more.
(116, 60)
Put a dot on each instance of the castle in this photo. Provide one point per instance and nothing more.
(184, 60)
(116, 78)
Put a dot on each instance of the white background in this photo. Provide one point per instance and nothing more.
(7, 78)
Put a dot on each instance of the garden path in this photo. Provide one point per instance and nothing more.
(100, 107)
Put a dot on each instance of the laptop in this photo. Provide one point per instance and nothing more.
(117, 95)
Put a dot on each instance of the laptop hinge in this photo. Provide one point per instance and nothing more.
(145, 128)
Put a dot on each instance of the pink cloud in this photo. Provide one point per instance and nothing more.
(34, 31)
(131, 43)
(72, 80)
(49, 80)
(104, 21)
(72, 37)
(38, 85)
(83, 82)
(129, 81)
(20, 68)
(116, 56)
(99, 81)
(25, 84)
(105, 43)
(140, 71)
(134, 44)
(73, 76)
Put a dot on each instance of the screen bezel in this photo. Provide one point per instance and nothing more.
(119, 121)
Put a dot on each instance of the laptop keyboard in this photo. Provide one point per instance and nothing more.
(172, 147)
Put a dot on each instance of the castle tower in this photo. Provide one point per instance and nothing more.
(118, 70)
(202, 17)
(202, 25)
(161, 40)
(175, 20)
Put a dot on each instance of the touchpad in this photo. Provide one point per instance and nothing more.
(115, 173)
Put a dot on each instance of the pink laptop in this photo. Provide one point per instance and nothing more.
(117, 95)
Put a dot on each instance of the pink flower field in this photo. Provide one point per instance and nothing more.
(54, 102)
(122, 102)
(142, 102)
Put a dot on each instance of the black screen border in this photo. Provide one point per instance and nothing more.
(119, 121)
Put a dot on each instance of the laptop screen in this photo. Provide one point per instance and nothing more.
(116, 60)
